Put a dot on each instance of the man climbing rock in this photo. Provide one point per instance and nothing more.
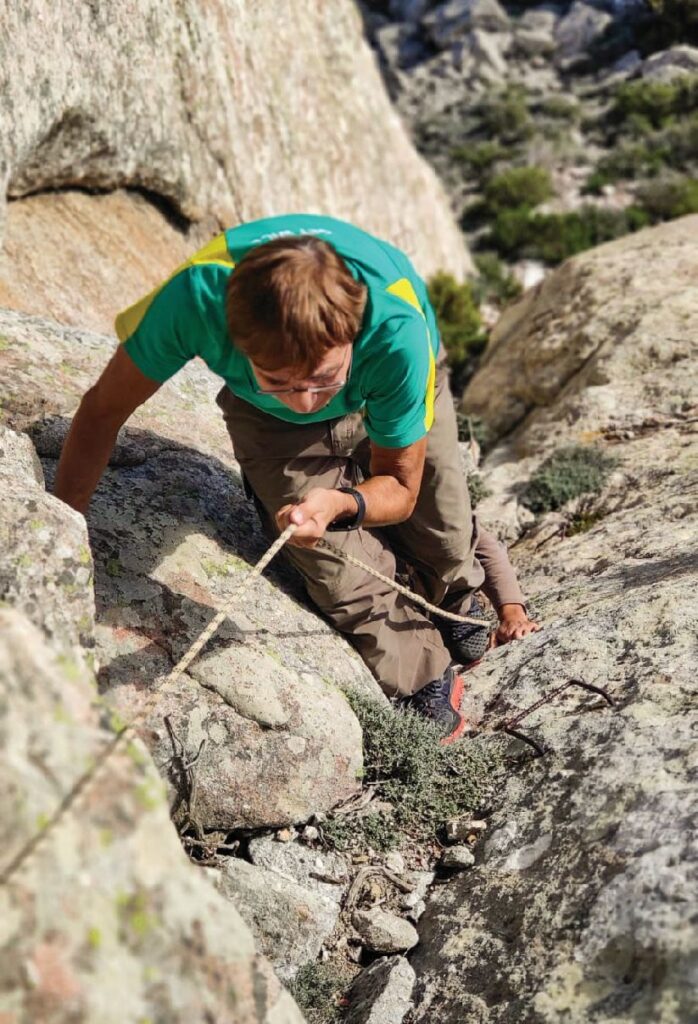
(337, 401)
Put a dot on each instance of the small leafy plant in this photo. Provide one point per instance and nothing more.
(317, 989)
(567, 474)
(423, 782)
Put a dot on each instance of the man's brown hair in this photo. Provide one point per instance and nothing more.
(290, 301)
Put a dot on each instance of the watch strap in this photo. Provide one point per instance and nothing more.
(352, 522)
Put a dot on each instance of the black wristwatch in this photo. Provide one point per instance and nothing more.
(352, 522)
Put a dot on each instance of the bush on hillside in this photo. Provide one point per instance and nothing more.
(554, 237)
(318, 988)
(477, 158)
(644, 106)
(460, 325)
(494, 282)
(567, 474)
(674, 148)
(665, 200)
(561, 108)
(628, 162)
(506, 117)
(518, 186)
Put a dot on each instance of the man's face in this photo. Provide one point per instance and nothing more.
(331, 374)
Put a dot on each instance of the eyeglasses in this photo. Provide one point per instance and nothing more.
(315, 389)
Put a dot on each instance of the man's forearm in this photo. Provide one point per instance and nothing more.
(387, 501)
(85, 454)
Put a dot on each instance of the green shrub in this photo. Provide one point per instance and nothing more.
(554, 237)
(518, 186)
(377, 830)
(664, 200)
(566, 474)
(628, 162)
(679, 145)
(459, 322)
(317, 989)
(424, 782)
(560, 108)
(477, 489)
(673, 148)
(478, 157)
(640, 107)
(494, 282)
(505, 116)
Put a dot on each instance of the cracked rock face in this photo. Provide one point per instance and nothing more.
(609, 334)
(45, 559)
(289, 920)
(262, 710)
(106, 921)
(581, 904)
(173, 99)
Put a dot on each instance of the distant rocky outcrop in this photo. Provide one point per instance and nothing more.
(219, 113)
(580, 906)
(572, 89)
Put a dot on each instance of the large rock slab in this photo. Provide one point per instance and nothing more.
(139, 247)
(322, 871)
(579, 29)
(172, 536)
(668, 65)
(289, 921)
(45, 559)
(183, 100)
(106, 920)
(381, 993)
(607, 323)
(581, 906)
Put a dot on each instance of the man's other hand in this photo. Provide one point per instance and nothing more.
(514, 624)
(314, 513)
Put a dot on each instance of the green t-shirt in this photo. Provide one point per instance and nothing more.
(393, 362)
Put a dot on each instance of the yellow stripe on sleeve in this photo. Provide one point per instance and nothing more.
(430, 391)
(215, 251)
(403, 289)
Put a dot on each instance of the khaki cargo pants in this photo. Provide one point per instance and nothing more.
(448, 554)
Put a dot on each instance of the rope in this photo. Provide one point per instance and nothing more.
(405, 591)
(93, 772)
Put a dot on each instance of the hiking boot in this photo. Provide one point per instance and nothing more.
(440, 702)
(465, 642)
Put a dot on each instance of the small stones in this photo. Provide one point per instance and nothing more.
(458, 857)
(460, 830)
(286, 835)
(395, 862)
(383, 932)
(417, 910)
(310, 834)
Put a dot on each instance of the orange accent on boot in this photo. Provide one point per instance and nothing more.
(455, 702)
(455, 735)
(457, 693)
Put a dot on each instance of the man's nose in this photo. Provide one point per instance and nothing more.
(301, 401)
